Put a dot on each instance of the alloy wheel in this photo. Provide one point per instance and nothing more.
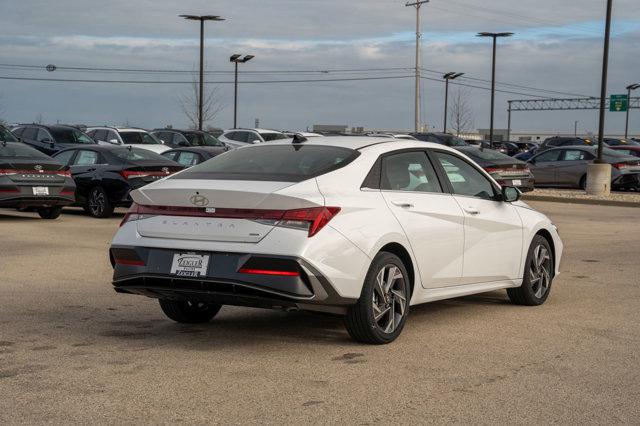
(97, 202)
(539, 271)
(389, 298)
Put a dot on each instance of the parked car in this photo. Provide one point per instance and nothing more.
(336, 226)
(240, 137)
(620, 142)
(30, 179)
(129, 136)
(631, 150)
(401, 136)
(303, 134)
(215, 132)
(557, 141)
(106, 174)
(567, 167)
(175, 138)
(51, 139)
(190, 156)
(440, 138)
(507, 171)
(526, 155)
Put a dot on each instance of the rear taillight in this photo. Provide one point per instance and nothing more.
(501, 172)
(311, 219)
(63, 173)
(128, 174)
(269, 272)
(6, 172)
(625, 166)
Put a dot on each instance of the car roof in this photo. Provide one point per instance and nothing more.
(178, 130)
(119, 129)
(358, 142)
(196, 149)
(254, 130)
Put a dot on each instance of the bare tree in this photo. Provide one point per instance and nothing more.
(461, 112)
(212, 103)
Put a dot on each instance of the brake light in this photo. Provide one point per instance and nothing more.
(6, 172)
(127, 174)
(507, 172)
(269, 272)
(311, 219)
(624, 166)
(63, 173)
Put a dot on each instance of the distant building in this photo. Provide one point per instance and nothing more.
(330, 128)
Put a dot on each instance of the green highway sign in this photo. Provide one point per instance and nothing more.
(618, 103)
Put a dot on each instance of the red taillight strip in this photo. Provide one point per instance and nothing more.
(129, 262)
(269, 272)
(7, 172)
(129, 173)
(9, 190)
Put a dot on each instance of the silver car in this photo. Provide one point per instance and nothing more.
(567, 167)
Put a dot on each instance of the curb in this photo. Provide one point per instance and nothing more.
(553, 199)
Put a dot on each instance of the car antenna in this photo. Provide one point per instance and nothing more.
(298, 138)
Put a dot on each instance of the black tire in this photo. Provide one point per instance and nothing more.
(98, 204)
(583, 182)
(49, 212)
(530, 293)
(189, 312)
(360, 320)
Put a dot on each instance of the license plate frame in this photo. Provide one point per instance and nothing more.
(516, 182)
(189, 264)
(40, 191)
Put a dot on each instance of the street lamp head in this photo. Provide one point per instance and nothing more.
(237, 58)
(247, 58)
(452, 75)
(494, 35)
(202, 17)
(234, 58)
(633, 86)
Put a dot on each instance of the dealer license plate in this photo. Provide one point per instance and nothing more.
(190, 265)
(40, 190)
(516, 182)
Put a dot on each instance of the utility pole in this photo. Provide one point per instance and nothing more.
(575, 128)
(201, 18)
(509, 121)
(417, 4)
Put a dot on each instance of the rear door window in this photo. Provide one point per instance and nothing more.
(409, 171)
(188, 159)
(86, 158)
(576, 155)
(30, 133)
(277, 163)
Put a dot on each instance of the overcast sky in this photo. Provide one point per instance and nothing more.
(557, 46)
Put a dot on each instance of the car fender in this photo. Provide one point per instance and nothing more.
(534, 222)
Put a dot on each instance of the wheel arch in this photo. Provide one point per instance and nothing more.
(400, 251)
(547, 236)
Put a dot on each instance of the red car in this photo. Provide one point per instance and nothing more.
(632, 150)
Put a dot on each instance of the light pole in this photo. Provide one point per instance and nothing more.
(629, 89)
(417, 4)
(575, 128)
(448, 76)
(237, 59)
(201, 18)
(493, 76)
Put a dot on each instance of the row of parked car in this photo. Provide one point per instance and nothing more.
(47, 167)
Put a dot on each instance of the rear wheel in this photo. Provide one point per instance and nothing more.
(49, 212)
(583, 182)
(98, 204)
(538, 275)
(380, 314)
(189, 312)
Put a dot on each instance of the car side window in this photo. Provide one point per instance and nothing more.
(179, 139)
(553, 155)
(100, 135)
(576, 155)
(170, 155)
(188, 159)
(18, 131)
(464, 178)
(44, 135)
(64, 157)
(250, 137)
(409, 171)
(110, 136)
(30, 133)
(86, 158)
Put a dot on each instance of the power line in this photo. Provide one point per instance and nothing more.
(486, 88)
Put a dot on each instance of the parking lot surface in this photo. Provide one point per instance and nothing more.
(73, 351)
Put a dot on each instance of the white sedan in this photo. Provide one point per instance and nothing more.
(358, 226)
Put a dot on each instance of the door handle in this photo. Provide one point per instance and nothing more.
(472, 210)
(402, 204)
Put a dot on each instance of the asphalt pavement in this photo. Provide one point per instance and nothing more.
(74, 351)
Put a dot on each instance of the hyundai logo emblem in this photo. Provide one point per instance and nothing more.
(199, 200)
(165, 170)
(38, 167)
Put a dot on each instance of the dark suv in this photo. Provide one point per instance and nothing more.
(51, 139)
(177, 138)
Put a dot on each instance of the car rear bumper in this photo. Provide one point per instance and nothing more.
(147, 271)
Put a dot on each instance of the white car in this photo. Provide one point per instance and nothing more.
(129, 136)
(236, 138)
(355, 226)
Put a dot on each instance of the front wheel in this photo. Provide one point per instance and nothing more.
(49, 212)
(538, 275)
(98, 204)
(189, 312)
(380, 314)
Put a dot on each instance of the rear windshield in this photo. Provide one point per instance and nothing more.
(486, 154)
(202, 139)
(6, 135)
(130, 138)
(277, 163)
(137, 154)
(69, 135)
(20, 150)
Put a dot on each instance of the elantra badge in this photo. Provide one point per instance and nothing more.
(199, 200)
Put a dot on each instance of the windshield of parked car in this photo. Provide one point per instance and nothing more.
(69, 135)
(277, 163)
(202, 139)
(17, 149)
(270, 136)
(7, 136)
(139, 138)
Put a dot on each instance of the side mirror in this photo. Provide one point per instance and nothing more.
(256, 141)
(46, 140)
(510, 194)
(114, 141)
